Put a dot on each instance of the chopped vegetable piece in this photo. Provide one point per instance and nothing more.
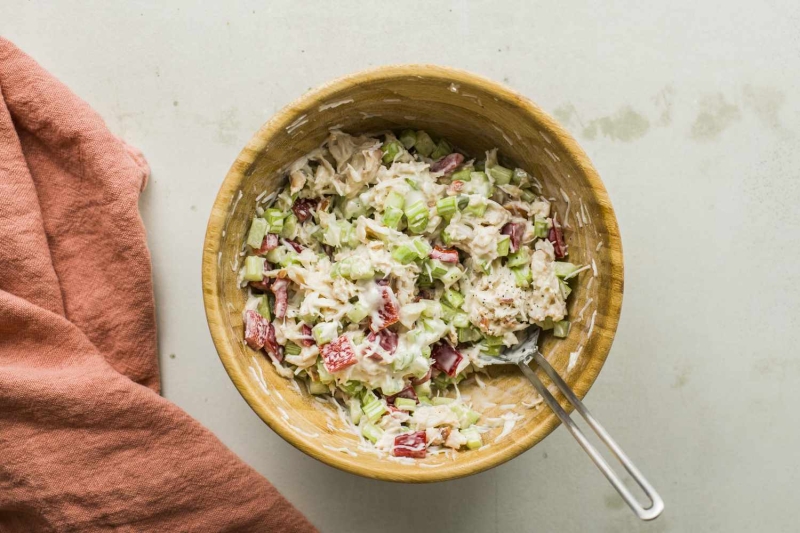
(462, 175)
(424, 145)
(474, 440)
(405, 253)
(354, 408)
(468, 334)
(416, 215)
(338, 354)
(371, 432)
(258, 228)
(274, 219)
(541, 227)
(391, 150)
(357, 313)
(404, 404)
(253, 268)
(291, 348)
(408, 138)
(289, 227)
(501, 175)
(503, 246)
(476, 206)
(410, 445)
(443, 148)
(361, 270)
(561, 328)
(454, 298)
(269, 243)
(523, 276)
(324, 375)
(325, 332)
(446, 358)
(519, 258)
(374, 410)
(447, 207)
(263, 307)
(317, 388)
(563, 269)
(566, 290)
(442, 400)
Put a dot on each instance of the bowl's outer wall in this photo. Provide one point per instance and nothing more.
(475, 114)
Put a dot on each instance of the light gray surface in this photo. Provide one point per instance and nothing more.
(689, 110)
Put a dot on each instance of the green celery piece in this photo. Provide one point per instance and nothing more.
(447, 207)
(527, 196)
(343, 268)
(432, 309)
(541, 227)
(420, 365)
(493, 340)
(503, 246)
(405, 404)
(417, 216)
(391, 386)
(442, 400)
(442, 149)
(460, 320)
(438, 269)
(325, 332)
(316, 387)
(395, 199)
(402, 361)
(468, 334)
(408, 138)
(424, 400)
(462, 175)
(352, 387)
(522, 276)
(258, 229)
(519, 258)
(354, 208)
(289, 230)
(423, 390)
(357, 313)
(451, 276)
(391, 150)
(519, 177)
(361, 270)
(547, 324)
(289, 258)
(501, 174)
(424, 281)
(454, 298)
(561, 328)
(374, 410)
(263, 307)
(448, 312)
(474, 440)
(477, 206)
(405, 253)
(563, 269)
(463, 202)
(566, 290)
(392, 217)
(491, 350)
(355, 410)
(292, 349)
(253, 268)
(446, 238)
(324, 375)
(421, 246)
(367, 398)
(275, 220)
(371, 432)
(424, 145)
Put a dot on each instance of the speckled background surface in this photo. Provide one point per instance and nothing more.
(689, 110)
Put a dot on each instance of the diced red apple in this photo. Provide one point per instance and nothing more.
(338, 355)
(446, 358)
(410, 445)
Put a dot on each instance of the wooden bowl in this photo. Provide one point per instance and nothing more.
(475, 114)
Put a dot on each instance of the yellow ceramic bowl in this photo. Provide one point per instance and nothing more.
(475, 114)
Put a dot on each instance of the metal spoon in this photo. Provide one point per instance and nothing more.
(521, 356)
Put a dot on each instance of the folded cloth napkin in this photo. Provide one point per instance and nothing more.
(86, 442)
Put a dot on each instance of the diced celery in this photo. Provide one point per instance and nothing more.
(355, 410)
(289, 227)
(460, 320)
(454, 298)
(405, 404)
(503, 246)
(527, 196)
(547, 324)
(493, 340)
(357, 338)
(523, 276)
(402, 360)
(424, 144)
(468, 334)
(451, 276)
(561, 328)
(316, 387)
(258, 228)
(519, 258)
(367, 398)
(324, 375)
(432, 309)
(392, 386)
(392, 217)
(412, 183)
(263, 307)
(408, 138)
(438, 269)
(275, 255)
(447, 207)
(501, 175)
(354, 208)
(442, 149)
(520, 177)
(419, 366)
(446, 238)
(474, 440)
(348, 235)
(292, 349)
(566, 290)
(442, 400)
(485, 266)
(289, 258)
(424, 281)
(361, 270)
(491, 350)
(563, 269)
(352, 387)
(462, 175)
(405, 253)
(541, 227)
(421, 246)
(373, 411)
(391, 150)
(371, 432)
(342, 268)
(448, 312)
(253, 268)
(395, 199)
(274, 219)
(479, 184)
(423, 390)
(357, 313)
(424, 400)
(325, 332)
(476, 206)
(416, 213)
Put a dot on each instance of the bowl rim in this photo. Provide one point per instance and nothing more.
(292, 112)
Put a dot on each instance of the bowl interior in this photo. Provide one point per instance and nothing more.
(475, 115)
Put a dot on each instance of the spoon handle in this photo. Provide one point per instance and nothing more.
(645, 513)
